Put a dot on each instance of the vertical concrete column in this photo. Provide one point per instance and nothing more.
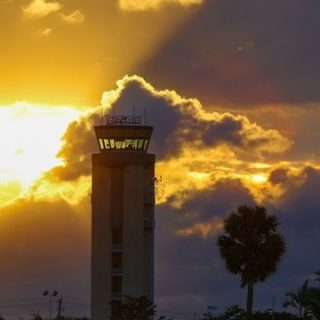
(133, 235)
(149, 204)
(101, 243)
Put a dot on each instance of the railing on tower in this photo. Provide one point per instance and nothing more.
(122, 120)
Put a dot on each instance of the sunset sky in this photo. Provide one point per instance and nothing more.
(232, 90)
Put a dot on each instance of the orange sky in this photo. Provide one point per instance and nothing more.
(67, 53)
(233, 117)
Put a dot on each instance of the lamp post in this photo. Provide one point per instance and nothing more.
(54, 293)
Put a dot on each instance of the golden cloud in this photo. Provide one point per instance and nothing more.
(189, 121)
(41, 8)
(195, 148)
(46, 32)
(71, 192)
(74, 17)
(141, 5)
(203, 230)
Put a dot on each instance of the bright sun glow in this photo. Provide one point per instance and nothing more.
(30, 139)
(258, 178)
(199, 175)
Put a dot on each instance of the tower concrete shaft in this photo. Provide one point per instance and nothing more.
(122, 217)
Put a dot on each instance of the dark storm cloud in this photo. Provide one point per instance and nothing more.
(244, 52)
(299, 213)
(177, 121)
(302, 196)
(229, 129)
(279, 175)
(79, 142)
(189, 271)
(215, 200)
(192, 263)
(47, 245)
(44, 246)
(160, 113)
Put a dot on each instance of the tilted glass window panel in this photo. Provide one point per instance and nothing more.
(146, 144)
(106, 143)
(135, 143)
(101, 144)
(140, 144)
(123, 144)
(118, 144)
(112, 144)
(128, 143)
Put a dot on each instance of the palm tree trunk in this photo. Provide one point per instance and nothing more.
(249, 299)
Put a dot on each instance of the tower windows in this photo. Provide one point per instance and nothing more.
(106, 143)
(101, 144)
(140, 144)
(146, 142)
(123, 144)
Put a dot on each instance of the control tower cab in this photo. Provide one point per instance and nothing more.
(123, 133)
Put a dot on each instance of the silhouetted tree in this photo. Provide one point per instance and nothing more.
(134, 308)
(237, 313)
(233, 312)
(314, 296)
(36, 316)
(269, 315)
(300, 301)
(71, 318)
(306, 301)
(251, 246)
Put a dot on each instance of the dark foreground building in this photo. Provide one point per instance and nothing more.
(122, 214)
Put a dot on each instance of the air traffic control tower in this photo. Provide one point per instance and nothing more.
(122, 214)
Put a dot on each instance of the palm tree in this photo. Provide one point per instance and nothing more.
(300, 301)
(251, 247)
(314, 300)
(306, 301)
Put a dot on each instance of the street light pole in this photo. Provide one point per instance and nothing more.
(52, 294)
(59, 308)
(50, 303)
